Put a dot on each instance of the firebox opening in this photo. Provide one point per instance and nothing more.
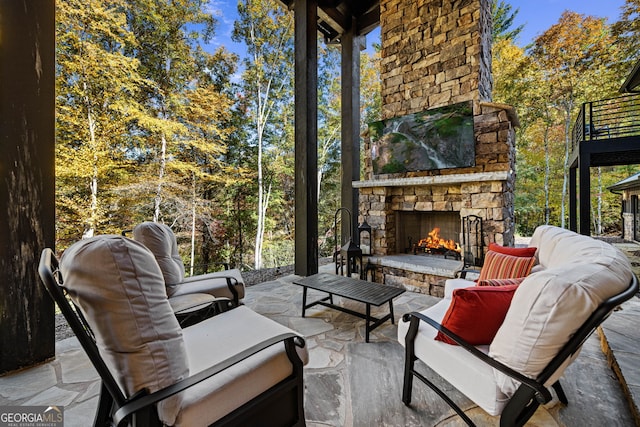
(412, 227)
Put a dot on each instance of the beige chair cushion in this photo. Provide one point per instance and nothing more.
(159, 238)
(550, 305)
(457, 366)
(162, 242)
(118, 285)
(218, 338)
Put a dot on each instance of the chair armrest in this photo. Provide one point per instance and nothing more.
(542, 394)
(462, 274)
(143, 400)
(231, 284)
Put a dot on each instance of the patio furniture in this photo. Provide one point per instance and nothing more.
(161, 240)
(236, 368)
(190, 309)
(546, 319)
(369, 293)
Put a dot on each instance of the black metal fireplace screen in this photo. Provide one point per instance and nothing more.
(470, 251)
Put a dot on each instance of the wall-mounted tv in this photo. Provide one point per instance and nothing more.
(439, 138)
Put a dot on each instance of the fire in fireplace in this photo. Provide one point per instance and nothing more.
(433, 232)
(435, 244)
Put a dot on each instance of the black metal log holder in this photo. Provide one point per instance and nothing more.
(472, 241)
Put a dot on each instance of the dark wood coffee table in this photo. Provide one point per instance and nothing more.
(369, 293)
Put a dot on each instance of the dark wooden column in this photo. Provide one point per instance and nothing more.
(27, 180)
(306, 135)
(350, 150)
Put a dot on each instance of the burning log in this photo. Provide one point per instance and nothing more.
(434, 243)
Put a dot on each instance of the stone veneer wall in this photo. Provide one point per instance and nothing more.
(485, 190)
(434, 53)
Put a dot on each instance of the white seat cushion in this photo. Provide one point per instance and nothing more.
(451, 285)
(212, 283)
(456, 365)
(215, 339)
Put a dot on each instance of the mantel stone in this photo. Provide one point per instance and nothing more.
(434, 180)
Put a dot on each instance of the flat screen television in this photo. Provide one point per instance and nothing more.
(438, 138)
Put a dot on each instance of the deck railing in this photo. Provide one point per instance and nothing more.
(606, 119)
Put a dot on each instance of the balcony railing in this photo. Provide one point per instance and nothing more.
(607, 119)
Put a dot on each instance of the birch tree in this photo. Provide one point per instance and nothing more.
(96, 87)
(267, 31)
(168, 35)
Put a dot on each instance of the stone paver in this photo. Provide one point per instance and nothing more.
(352, 383)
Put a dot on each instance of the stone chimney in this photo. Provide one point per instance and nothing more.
(434, 53)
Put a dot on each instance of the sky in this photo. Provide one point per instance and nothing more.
(536, 15)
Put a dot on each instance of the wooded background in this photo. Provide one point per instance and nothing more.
(151, 124)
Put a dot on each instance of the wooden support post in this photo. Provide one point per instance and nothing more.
(351, 46)
(27, 177)
(306, 135)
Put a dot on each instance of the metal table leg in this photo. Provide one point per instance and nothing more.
(367, 318)
(304, 299)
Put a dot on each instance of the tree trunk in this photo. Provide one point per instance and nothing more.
(93, 185)
(257, 255)
(163, 165)
(565, 178)
(193, 224)
(547, 172)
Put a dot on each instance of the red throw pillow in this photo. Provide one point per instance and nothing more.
(476, 313)
(500, 282)
(501, 266)
(507, 250)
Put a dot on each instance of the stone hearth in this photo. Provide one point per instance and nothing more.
(416, 273)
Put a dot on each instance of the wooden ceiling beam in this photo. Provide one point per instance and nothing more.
(335, 16)
(368, 22)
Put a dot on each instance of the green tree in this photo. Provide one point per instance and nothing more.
(627, 32)
(267, 30)
(96, 86)
(503, 21)
(168, 36)
(575, 55)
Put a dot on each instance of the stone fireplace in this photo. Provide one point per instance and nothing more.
(434, 54)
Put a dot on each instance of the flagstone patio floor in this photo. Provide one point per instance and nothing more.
(352, 383)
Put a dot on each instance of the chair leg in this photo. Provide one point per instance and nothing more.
(520, 408)
(409, 361)
(562, 397)
(105, 408)
(408, 380)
